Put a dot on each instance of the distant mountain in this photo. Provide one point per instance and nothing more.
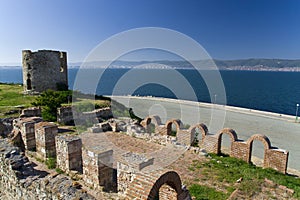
(258, 64)
(253, 64)
(243, 64)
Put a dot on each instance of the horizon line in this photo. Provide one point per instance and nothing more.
(19, 64)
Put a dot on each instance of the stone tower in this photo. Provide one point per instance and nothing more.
(44, 69)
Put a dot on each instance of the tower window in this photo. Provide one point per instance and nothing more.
(29, 84)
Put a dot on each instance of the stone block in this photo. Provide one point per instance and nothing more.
(69, 153)
(45, 133)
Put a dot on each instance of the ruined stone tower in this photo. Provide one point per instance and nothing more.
(44, 69)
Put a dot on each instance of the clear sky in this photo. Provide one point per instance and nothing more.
(227, 29)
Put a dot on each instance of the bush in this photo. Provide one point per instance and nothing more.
(51, 100)
(51, 163)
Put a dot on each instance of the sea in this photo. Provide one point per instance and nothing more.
(277, 92)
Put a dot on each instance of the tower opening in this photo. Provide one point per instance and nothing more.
(29, 84)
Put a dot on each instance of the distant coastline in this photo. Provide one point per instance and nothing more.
(281, 65)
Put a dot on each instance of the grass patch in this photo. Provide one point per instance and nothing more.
(11, 95)
(86, 105)
(225, 169)
(203, 192)
(59, 171)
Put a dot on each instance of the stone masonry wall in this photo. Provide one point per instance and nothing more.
(31, 112)
(97, 174)
(45, 133)
(65, 115)
(19, 180)
(68, 153)
(44, 69)
(26, 127)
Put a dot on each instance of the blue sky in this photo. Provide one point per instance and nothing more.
(227, 29)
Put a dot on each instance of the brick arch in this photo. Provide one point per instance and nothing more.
(232, 134)
(152, 118)
(170, 178)
(177, 123)
(264, 139)
(202, 127)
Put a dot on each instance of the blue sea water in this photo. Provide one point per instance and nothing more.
(268, 91)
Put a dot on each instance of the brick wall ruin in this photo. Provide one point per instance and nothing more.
(127, 177)
(31, 112)
(133, 183)
(98, 169)
(68, 153)
(24, 128)
(67, 115)
(44, 69)
(45, 133)
(19, 179)
(273, 157)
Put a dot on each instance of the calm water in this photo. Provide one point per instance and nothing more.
(269, 91)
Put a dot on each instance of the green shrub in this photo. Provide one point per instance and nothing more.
(51, 163)
(51, 100)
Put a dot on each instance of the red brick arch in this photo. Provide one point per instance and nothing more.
(177, 122)
(232, 134)
(202, 127)
(170, 178)
(264, 139)
(152, 118)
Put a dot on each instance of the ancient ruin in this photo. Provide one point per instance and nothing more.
(273, 157)
(102, 167)
(44, 69)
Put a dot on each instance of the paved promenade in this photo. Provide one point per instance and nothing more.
(281, 129)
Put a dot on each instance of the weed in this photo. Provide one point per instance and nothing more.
(59, 171)
(204, 192)
(51, 163)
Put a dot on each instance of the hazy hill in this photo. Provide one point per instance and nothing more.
(243, 64)
(266, 63)
(253, 64)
